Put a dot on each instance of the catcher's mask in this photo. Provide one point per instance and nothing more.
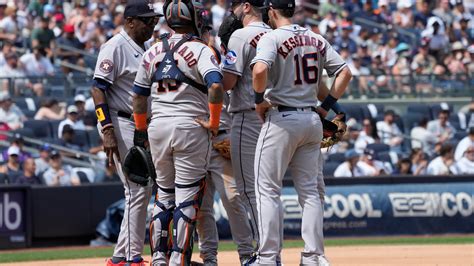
(183, 13)
(138, 166)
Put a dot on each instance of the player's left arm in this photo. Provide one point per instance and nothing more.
(142, 90)
(335, 66)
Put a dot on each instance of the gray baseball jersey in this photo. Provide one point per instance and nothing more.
(296, 84)
(195, 60)
(117, 64)
(242, 49)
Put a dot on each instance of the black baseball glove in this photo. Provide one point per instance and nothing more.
(138, 166)
(230, 24)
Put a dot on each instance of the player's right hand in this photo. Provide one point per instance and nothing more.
(206, 124)
(110, 145)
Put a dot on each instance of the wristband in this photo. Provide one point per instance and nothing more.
(103, 115)
(215, 109)
(259, 97)
(328, 102)
(140, 121)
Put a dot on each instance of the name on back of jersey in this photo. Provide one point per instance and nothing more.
(188, 56)
(300, 41)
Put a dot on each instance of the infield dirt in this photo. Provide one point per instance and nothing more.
(456, 255)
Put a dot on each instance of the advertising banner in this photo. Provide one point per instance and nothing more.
(389, 209)
(13, 220)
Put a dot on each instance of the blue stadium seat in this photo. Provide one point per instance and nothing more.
(365, 109)
(436, 108)
(379, 147)
(412, 120)
(329, 168)
(94, 138)
(80, 138)
(420, 108)
(54, 124)
(384, 157)
(354, 110)
(459, 135)
(336, 157)
(40, 128)
(25, 132)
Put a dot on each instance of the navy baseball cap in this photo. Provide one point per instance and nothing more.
(281, 4)
(140, 8)
(257, 3)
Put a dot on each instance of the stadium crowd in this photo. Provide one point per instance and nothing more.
(404, 48)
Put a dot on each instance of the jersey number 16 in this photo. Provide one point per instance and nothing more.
(308, 66)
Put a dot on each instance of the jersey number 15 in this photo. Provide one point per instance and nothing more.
(308, 66)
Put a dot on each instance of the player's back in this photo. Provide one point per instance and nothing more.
(242, 49)
(296, 57)
(175, 98)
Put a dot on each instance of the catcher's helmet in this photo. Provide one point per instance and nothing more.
(183, 13)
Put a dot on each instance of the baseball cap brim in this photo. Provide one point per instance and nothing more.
(150, 14)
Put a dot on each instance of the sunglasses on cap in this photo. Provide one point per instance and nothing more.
(149, 21)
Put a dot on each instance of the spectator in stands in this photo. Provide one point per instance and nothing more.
(51, 109)
(422, 15)
(470, 66)
(367, 136)
(460, 11)
(464, 144)
(35, 8)
(435, 32)
(29, 176)
(418, 161)
(17, 141)
(68, 39)
(444, 12)
(404, 167)
(385, 12)
(466, 164)
(423, 138)
(360, 76)
(454, 61)
(403, 17)
(67, 140)
(72, 120)
(59, 174)
(13, 167)
(369, 13)
(350, 167)
(10, 114)
(10, 29)
(464, 35)
(378, 78)
(345, 39)
(13, 70)
(80, 103)
(444, 164)
(44, 37)
(423, 65)
(36, 64)
(441, 128)
(7, 48)
(401, 69)
(389, 132)
(42, 162)
(372, 167)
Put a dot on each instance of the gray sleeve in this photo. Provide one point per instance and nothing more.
(266, 51)
(334, 62)
(207, 62)
(143, 77)
(236, 59)
(108, 63)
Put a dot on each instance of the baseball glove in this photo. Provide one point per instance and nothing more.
(230, 24)
(223, 147)
(333, 131)
(138, 166)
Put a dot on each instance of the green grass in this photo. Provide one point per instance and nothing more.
(86, 252)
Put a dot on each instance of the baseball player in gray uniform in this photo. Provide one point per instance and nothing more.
(291, 134)
(182, 75)
(117, 65)
(220, 178)
(245, 123)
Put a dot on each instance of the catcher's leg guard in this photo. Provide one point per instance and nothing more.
(161, 225)
(184, 221)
